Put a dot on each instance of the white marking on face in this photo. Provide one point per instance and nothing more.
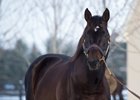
(96, 28)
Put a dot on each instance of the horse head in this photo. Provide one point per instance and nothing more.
(96, 31)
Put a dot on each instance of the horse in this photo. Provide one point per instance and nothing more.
(80, 77)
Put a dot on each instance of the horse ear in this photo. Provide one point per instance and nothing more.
(87, 15)
(106, 15)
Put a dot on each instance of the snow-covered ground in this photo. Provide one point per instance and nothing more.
(125, 92)
(5, 97)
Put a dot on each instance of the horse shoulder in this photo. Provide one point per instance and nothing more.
(65, 86)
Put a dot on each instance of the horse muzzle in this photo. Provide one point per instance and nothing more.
(93, 65)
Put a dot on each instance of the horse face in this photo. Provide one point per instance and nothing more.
(96, 30)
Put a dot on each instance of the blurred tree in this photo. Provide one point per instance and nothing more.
(61, 22)
(55, 18)
(34, 53)
(117, 59)
(67, 47)
(21, 47)
(12, 64)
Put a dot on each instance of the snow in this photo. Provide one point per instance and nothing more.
(5, 97)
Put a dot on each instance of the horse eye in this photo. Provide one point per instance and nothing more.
(96, 28)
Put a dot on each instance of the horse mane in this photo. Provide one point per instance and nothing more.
(79, 48)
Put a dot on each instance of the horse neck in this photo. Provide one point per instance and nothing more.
(81, 71)
(80, 43)
(79, 50)
(83, 77)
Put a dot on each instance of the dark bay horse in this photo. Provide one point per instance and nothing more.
(80, 77)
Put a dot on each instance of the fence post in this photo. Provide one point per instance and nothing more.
(20, 89)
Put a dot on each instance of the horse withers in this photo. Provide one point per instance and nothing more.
(80, 77)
